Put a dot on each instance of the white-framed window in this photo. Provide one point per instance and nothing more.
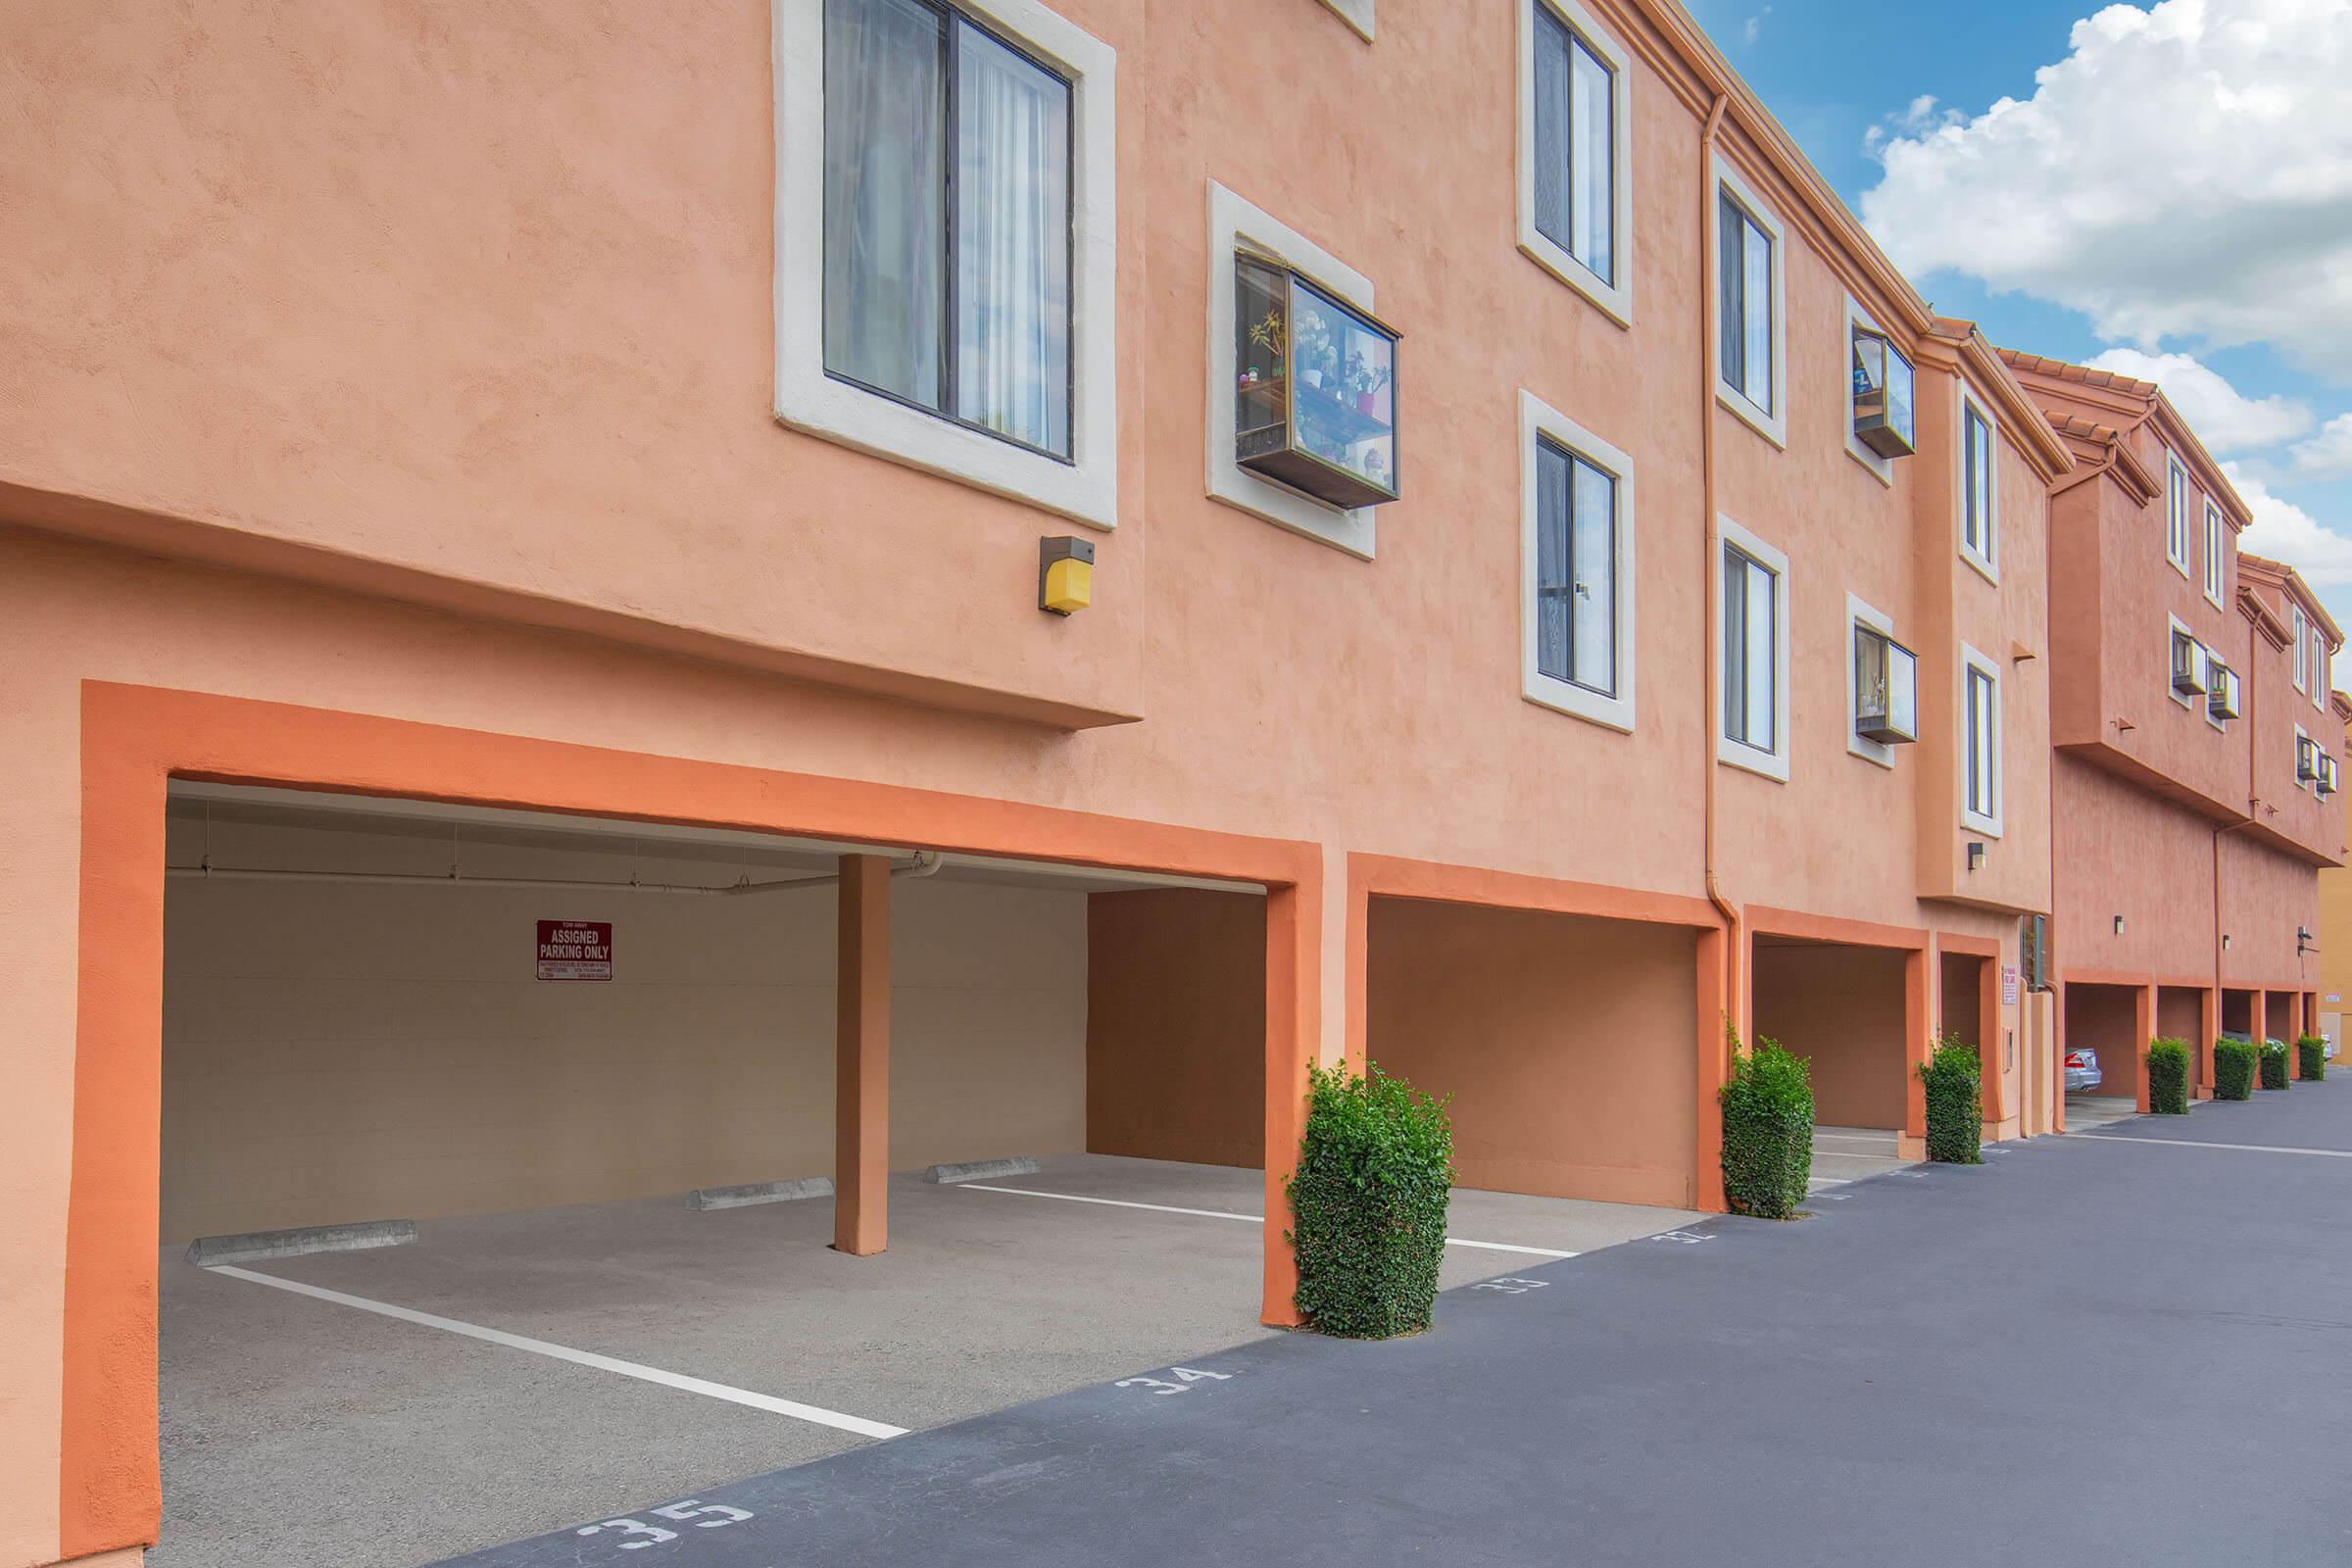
(1859, 320)
(1980, 487)
(2319, 681)
(1239, 226)
(2302, 648)
(2224, 697)
(1751, 654)
(1576, 153)
(2307, 759)
(1751, 346)
(1980, 742)
(1881, 700)
(2192, 665)
(946, 212)
(1358, 14)
(2175, 513)
(1576, 529)
(2217, 552)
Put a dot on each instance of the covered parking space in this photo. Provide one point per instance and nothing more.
(1852, 999)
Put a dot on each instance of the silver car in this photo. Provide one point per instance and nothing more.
(2081, 1069)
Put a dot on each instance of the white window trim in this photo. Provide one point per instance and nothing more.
(2217, 556)
(2176, 482)
(1773, 427)
(1086, 488)
(1880, 468)
(1358, 14)
(2302, 646)
(1538, 419)
(1975, 821)
(1860, 613)
(2175, 627)
(1986, 562)
(1236, 225)
(2296, 763)
(2321, 675)
(1772, 764)
(1616, 299)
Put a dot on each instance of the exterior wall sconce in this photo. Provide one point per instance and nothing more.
(2119, 928)
(1065, 575)
(1975, 857)
(2224, 942)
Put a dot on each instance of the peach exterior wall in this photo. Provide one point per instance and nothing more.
(335, 1052)
(1175, 1026)
(259, 326)
(1564, 1041)
(1841, 1008)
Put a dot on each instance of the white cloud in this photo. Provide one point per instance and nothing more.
(1753, 27)
(2224, 418)
(2185, 172)
(2285, 533)
(2327, 455)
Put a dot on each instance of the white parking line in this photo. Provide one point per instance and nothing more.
(2191, 1143)
(1221, 1213)
(603, 1363)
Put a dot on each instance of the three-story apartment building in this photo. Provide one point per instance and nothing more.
(1215, 537)
(2196, 742)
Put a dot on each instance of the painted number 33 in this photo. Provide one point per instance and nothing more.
(686, 1512)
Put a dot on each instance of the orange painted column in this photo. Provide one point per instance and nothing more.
(1992, 1041)
(862, 1065)
(1714, 1050)
(2144, 1034)
(2294, 1032)
(1294, 1040)
(1920, 1007)
(2209, 1029)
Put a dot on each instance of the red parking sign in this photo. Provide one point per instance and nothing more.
(576, 950)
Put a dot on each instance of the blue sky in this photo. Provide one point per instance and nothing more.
(2254, 139)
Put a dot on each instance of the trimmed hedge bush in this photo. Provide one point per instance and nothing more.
(2168, 1077)
(2273, 1065)
(2313, 1051)
(1767, 1131)
(2234, 1069)
(1955, 1103)
(1368, 1204)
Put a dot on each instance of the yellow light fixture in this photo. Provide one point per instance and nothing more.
(1065, 575)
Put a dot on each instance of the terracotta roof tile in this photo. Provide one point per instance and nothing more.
(2037, 364)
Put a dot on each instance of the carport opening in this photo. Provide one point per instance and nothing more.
(1841, 1006)
(1565, 1040)
(2104, 1020)
(367, 1017)
(2181, 1015)
(2237, 1014)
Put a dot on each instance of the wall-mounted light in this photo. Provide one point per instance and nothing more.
(1975, 857)
(2224, 942)
(2119, 925)
(1065, 574)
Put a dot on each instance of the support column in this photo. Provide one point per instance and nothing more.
(2209, 1029)
(862, 1063)
(1922, 986)
(2294, 1032)
(2143, 1033)
(1992, 1042)
(1712, 989)
(1295, 966)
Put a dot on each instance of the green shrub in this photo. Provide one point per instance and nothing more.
(2168, 1077)
(2234, 1069)
(1368, 1204)
(1955, 1103)
(1767, 1131)
(2273, 1065)
(2313, 1051)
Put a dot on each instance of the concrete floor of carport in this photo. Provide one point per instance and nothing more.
(303, 1431)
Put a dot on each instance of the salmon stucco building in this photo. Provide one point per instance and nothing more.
(608, 599)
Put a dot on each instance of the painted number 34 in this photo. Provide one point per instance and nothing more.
(686, 1512)
(1185, 1377)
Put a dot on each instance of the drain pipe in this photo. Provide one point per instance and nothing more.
(1711, 568)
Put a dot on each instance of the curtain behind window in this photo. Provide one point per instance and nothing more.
(885, 196)
(1013, 254)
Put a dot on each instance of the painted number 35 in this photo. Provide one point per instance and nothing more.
(686, 1512)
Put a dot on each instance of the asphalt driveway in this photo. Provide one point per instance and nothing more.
(2124, 1349)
